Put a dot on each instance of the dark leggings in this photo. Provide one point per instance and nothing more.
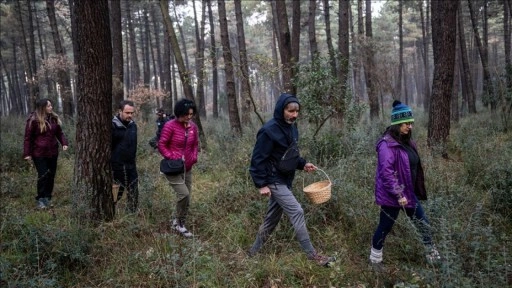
(46, 168)
(128, 179)
(388, 217)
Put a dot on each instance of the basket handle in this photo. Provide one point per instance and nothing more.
(317, 169)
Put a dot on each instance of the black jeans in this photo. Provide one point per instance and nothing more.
(388, 217)
(128, 179)
(46, 168)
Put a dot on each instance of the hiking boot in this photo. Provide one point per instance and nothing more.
(41, 203)
(325, 261)
(433, 256)
(181, 229)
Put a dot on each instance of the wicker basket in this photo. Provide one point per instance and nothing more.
(319, 192)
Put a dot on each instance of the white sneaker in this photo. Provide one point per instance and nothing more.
(181, 229)
(41, 204)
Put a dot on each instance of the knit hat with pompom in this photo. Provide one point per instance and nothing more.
(401, 113)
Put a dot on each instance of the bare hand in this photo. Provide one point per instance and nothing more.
(28, 158)
(65, 147)
(309, 167)
(402, 201)
(265, 191)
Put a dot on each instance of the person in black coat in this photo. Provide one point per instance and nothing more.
(124, 150)
(273, 175)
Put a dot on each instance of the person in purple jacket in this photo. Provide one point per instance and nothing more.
(399, 183)
(180, 140)
(42, 131)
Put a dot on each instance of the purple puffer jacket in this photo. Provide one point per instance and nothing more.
(37, 144)
(393, 177)
(172, 142)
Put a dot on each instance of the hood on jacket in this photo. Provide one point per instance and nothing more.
(282, 101)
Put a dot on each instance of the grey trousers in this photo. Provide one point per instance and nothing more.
(182, 185)
(282, 200)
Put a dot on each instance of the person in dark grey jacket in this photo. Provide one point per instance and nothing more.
(273, 176)
(124, 150)
(399, 183)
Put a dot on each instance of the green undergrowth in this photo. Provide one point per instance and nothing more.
(469, 208)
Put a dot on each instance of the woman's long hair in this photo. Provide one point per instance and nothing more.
(394, 132)
(42, 117)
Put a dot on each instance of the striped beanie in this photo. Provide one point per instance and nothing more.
(401, 113)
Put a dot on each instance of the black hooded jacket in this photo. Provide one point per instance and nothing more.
(272, 141)
(124, 144)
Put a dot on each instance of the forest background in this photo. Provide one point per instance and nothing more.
(449, 60)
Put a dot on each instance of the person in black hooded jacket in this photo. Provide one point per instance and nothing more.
(124, 150)
(273, 175)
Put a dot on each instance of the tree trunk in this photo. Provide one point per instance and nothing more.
(328, 37)
(144, 44)
(285, 46)
(488, 98)
(213, 57)
(156, 28)
(343, 47)
(398, 87)
(426, 66)
(134, 59)
(200, 60)
(444, 17)
(454, 104)
(234, 119)
(167, 103)
(92, 193)
(467, 79)
(33, 92)
(42, 44)
(313, 46)
(247, 98)
(63, 78)
(117, 53)
(184, 75)
(369, 62)
(182, 38)
(506, 30)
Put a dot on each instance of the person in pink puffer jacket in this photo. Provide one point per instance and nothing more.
(179, 139)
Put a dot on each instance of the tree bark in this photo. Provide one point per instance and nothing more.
(313, 45)
(467, 79)
(199, 29)
(426, 66)
(444, 17)
(213, 58)
(285, 46)
(369, 66)
(117, 53)
(92, 193)
(488, 98)
(398, 87)
(343, 47)
(31, 84)
(234, 119)
(134, 59)
(246, 92)
(507, 44)
(328, 37)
